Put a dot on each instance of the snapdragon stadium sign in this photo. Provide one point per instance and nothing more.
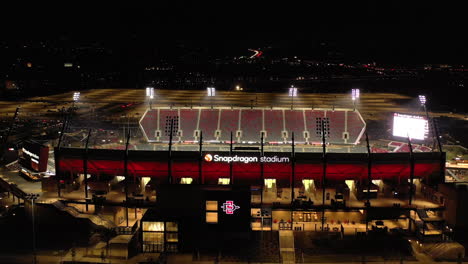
(245, 159)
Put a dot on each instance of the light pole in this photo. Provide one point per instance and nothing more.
(292, 93)
(32, 197)
(355, 94)
(435, 134)
(150, 95)
(211, 93)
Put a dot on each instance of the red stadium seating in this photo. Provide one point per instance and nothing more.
(355, 126)
(295, 123)
(217, 124)
(164, 123)
(149, 124)
(273, 125)
(337, 126)
(251, 125)
(188, 123)
(229, 122)
(209, 123)
(311, 121)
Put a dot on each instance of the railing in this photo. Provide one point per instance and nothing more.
(97, 220)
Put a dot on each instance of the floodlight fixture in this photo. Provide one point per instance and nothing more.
(150, 92)
(355, 94)
(292, 91)
(422, 99)
(211, 91)
(76, 96)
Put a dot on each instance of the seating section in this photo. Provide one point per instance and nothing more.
(355, 126)
(311, 122)
(188, 123)
(209, 123)
(295, 123)
(422, 149)
(229, 122)
(149, 123)
(252, 123)
(165, 116)
(378, 150)
(337, 126)
(273, 125)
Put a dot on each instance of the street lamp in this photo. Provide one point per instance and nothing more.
(150, 95)
(292, 93)
(32, 197)
(211, 93)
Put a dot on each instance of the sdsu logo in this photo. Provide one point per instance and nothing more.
(208, 158)
(229, 207)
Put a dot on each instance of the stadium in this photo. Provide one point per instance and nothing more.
(257, 168)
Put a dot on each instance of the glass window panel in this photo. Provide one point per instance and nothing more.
(153, 226)
(212, 217)
(224, 181)
(212, 205)
(171, 226)
(153, 237)
(172, 237)
(186, 181)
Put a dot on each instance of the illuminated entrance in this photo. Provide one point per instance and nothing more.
(160, 236)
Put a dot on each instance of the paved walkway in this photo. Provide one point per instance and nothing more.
(286, 239)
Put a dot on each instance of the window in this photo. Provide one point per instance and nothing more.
(153, 226)
(172, 237)
(308, 184)
(160, 236)
(212, 217)
(224, 181)
(186, 181)
(211, 205)
(212, 212)
(172, 227)
(153, 237)
(269, 183)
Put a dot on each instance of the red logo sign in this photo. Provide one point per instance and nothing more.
(229, 207)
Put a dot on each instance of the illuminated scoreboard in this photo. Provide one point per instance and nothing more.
(412, 126)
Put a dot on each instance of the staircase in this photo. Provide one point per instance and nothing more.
(95, 219)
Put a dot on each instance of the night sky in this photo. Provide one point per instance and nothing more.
(395, 31)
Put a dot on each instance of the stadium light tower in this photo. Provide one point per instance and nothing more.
(292, 93)
(211, 93)
(150, 95)
(355, 94)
